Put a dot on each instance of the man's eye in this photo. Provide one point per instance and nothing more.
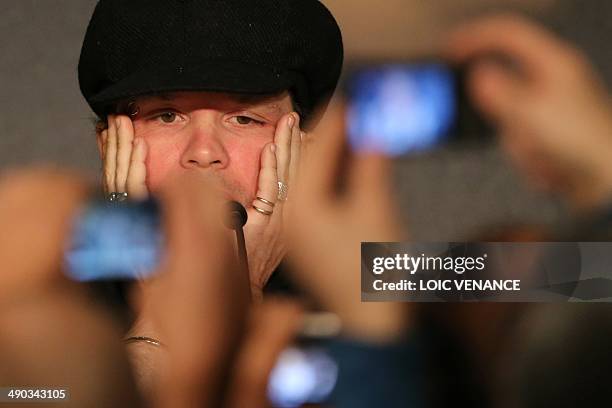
(167, 117)
(245, 120)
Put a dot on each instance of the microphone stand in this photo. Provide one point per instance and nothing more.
(243, 261)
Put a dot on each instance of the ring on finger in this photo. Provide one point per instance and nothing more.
(262, 211)
(263, 200)
(283, 191)
(115, 197)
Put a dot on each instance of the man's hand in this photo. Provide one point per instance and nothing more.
(124, 158)
(266, 243)
(553, 111)
(36, 207)
(327, 229)
(197, 303)
(52, 334)
(271, 327)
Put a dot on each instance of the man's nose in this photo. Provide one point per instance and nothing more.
(205, 149)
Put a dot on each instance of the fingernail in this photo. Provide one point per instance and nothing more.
(302, 135)
(273, 148)
(136, 141)
(291, 122)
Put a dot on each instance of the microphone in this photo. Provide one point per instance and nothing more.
(236, 219)
(237, 215)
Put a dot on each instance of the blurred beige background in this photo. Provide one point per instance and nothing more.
(446, 195)
(410, 27)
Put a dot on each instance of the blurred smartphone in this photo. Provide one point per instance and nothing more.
(400, 108)
(110, 247)
(304, 374)
(111, 242)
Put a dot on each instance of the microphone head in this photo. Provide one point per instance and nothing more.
(236, 215)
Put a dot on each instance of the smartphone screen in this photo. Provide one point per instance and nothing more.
(114, 242)
(401, 108)
(304, 374)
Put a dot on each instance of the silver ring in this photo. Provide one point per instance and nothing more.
(283, 191)
(117, 197)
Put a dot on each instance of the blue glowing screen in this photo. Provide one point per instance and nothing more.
(397, 109)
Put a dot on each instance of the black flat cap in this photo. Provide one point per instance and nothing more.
(139, 47)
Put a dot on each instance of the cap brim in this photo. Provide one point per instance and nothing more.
(230, 77)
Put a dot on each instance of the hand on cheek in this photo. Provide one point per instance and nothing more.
(124, 158)
(264, 230)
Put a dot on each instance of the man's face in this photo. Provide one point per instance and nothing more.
(219, 135)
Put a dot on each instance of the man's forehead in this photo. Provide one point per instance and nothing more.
(271, 102)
